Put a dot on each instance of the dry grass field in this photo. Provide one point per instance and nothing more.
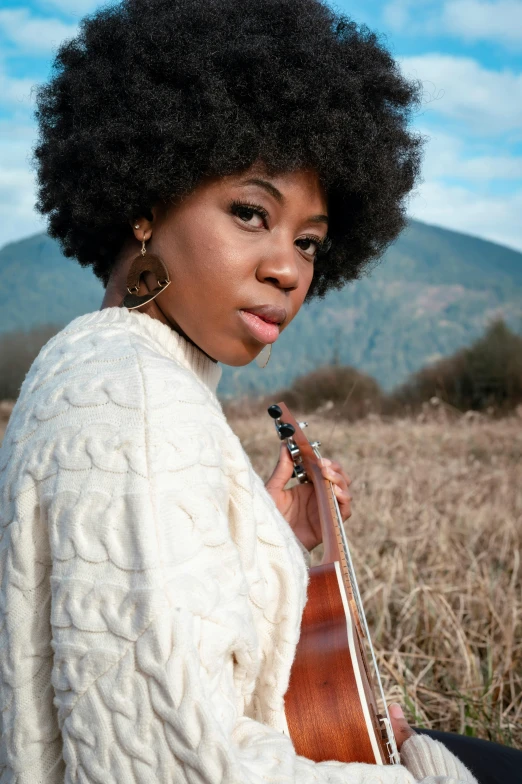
(435, 536)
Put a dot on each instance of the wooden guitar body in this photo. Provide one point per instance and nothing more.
(329, 680)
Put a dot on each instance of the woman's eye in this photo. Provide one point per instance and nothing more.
(315, 242)
(248, 212)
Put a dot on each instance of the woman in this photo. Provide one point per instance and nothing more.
(217, 164)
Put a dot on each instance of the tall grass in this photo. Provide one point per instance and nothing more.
(436, 536)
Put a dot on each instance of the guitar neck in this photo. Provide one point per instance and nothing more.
(338, 550)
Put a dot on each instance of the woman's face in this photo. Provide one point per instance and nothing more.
(234, 244)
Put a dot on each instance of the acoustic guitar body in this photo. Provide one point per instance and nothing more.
(330, 708)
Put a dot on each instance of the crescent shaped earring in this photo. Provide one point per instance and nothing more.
(264, 355)
(140, 265)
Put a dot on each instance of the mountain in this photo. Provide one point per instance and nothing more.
(433, 292)
(39, 285)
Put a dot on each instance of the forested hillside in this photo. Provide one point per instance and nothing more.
(434, 291)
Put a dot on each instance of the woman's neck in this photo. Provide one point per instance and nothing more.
(114, 296)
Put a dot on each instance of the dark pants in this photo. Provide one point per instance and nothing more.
(489, 762)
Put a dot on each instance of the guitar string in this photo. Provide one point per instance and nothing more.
(391, 737)
(394, 754)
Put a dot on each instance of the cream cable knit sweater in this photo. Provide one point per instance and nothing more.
(151, 593)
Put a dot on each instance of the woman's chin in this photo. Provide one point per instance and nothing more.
(238, 362)
(239, 357)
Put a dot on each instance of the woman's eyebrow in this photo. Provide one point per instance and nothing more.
(278, 196)
(272, 190)
(318, 219)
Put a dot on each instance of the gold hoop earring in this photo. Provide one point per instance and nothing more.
(140, 265)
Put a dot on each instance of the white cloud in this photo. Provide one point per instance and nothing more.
(413, 16)
(488, 167)
(496, 218)
(470, 202)
(486, 20)
(462, 89)
(17, 183)
(19, 218)
(470, 20)
(452, 156)
(15, 92)
(397, 14)
(33, 34)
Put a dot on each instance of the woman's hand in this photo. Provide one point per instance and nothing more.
(298, 505)
(401, 728)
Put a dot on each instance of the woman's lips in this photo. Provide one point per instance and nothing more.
(263, 331)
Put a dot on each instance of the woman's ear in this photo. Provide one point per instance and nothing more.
(143, 225)
(142, 228)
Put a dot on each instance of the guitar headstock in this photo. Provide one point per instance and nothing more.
(307, 469)
(290, 430)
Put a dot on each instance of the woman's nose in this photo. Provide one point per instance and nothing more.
(280, 267)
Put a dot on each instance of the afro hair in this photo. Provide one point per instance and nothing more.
(153, 95)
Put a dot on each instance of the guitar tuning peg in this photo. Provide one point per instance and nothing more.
(274, 411)
(285, 430)
(315, 444)
(302, 425)
(300, 473)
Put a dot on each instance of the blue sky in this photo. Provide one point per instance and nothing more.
(468, 54)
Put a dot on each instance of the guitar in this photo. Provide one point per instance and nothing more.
(331, 702)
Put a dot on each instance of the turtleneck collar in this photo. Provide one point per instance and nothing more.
(168, 341)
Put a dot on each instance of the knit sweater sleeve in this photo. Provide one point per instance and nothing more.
(427, 759)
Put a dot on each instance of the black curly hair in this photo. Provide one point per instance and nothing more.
(153, 95)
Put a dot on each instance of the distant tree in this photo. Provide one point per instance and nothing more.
(18, 350)
(339, 388)
(486, 375)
